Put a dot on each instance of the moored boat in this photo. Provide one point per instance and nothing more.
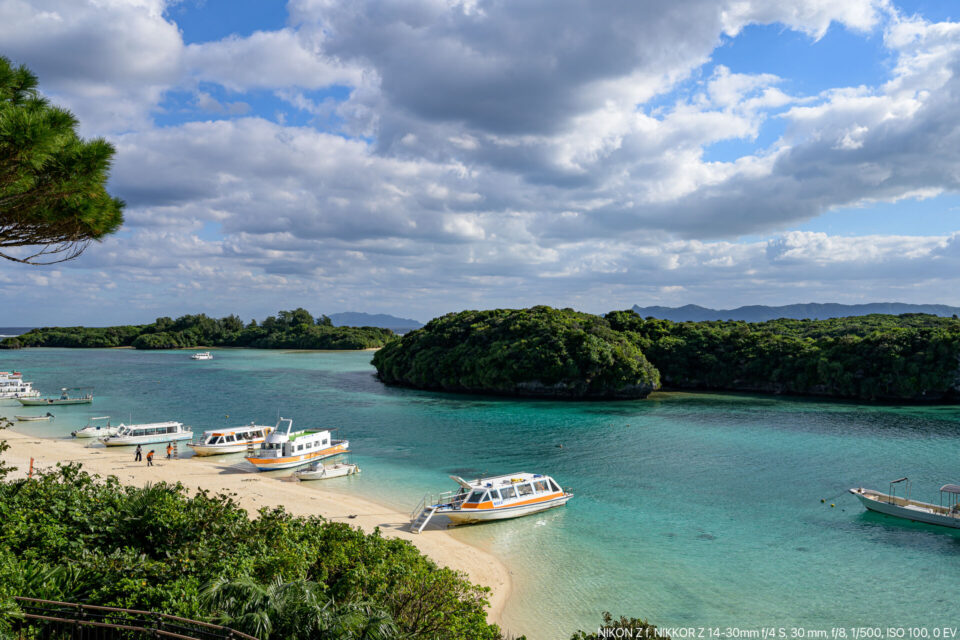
(285, 448)
(13, 387)
(320, 471)
(202, 355)
(48, 416)
(230, 440)
(495, 498)
(95, 429)
(64, 398)
(945, 514)
(148, 433)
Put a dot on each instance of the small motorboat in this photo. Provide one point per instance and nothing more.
(496, 498)
(93, 430)
(945, 514)
(320, 471)
(202, 355)
(65, 398)
(49, 416)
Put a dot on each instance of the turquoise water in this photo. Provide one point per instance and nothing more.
(700, 510)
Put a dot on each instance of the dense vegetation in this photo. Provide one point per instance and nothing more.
(53, 196)
(287, 330)
(527, 352)
(874, 357)
(562, 353)
(68, 536)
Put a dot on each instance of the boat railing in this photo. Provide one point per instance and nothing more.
(452, 498)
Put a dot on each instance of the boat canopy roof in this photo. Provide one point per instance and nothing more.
(497, 481)
(950, 488)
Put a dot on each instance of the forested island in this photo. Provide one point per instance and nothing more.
(296, 329)
(563, 353)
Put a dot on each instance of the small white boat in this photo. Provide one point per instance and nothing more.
(148, 433)
(285, 448)
(230, 440)
(945, 514)
(320, 471)
(49, 416)
(202, 355)
(496, 498)
(94, 430)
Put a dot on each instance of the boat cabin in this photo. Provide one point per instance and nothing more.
(284, 442)
(236, 435)
(149, 429)
(498, 491)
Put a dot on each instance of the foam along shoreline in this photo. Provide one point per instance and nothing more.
(255, 490)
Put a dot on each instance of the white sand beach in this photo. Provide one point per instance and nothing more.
(255, 490)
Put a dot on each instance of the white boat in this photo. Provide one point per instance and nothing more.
(95, 430)
(13, 387)
(49, 416)
(945, 514)
(285, 448)
(148, 433)
(496, 498)
(320, 471)
(64, 398)
(202, 355)
(230, 440)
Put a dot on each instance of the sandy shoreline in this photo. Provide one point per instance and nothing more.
(255, 490)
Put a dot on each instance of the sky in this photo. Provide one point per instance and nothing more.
(418, 157)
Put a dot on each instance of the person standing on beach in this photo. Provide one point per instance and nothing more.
(150, 458)
(138, 455)
(169, 450)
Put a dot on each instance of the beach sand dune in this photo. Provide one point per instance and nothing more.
(254, 490)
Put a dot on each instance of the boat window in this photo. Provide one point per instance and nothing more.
(541, 486)
(256, 434)
(553, 485)
(494, 494)
(524, 489)
(508, 493)
(475, 497)
(229, 439)
(299, 447)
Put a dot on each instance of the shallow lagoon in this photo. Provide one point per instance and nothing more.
(701, 510)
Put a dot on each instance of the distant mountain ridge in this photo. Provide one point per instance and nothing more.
(812, 311)
(382, 320)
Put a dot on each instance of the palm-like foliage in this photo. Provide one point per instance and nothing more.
(293, 610)
(52, 193)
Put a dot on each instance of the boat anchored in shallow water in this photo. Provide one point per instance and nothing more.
(65, 398)
(148, 433)
(496, 498)
(49, 416)
(202, 355)
(95, 429)
(12, 387)
(946, 514)
(285, 448)
(320, 471)
(230, 440)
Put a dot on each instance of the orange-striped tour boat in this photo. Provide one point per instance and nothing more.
(285, 448)
(496, 498)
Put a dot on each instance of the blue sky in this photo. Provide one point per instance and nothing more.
(418, 158)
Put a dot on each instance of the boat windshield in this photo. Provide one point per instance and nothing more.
(475, 497)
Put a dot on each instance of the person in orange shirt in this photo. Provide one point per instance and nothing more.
(150, 458)
(169, 450)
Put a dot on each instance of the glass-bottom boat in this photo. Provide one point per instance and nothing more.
(230, 440)
(285, 448)
(496, 498)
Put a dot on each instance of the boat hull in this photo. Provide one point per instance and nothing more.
(217, 449)
(289, 462)
(32, 418)
(43, 402)
(94, 433)
(464, 516)
(113, 441)
(917, 514)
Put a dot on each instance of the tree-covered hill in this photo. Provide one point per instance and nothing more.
(540, 351)
(912, 357)
(296, 329)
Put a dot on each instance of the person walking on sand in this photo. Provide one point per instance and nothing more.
(150, 458)
(169, 450)
(138, 455)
